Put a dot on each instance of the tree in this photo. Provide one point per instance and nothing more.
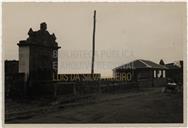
(161, 62)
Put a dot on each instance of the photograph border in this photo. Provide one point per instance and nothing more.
(185, 71)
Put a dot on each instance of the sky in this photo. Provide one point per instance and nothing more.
(124, 32)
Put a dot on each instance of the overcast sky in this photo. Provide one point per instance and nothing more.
(124, 32)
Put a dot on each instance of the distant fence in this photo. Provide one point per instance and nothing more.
(56, 88)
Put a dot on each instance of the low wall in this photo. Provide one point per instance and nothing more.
(80, 88)
(56, 88)
(155, 82)
(160, 82)
(145, 83)
(14, 85)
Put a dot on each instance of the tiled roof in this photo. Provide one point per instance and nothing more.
(172, 66)
(140, 63)
(175, 65)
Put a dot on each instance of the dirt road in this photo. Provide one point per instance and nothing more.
(142, 107)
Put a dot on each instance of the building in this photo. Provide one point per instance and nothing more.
(144, 72)
(11, 67)
(13, 79)
(175, 71)
(38, 55)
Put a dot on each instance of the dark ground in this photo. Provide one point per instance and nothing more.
(144, 106)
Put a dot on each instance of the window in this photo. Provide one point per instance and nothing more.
(164, 73)
(154, 73)
(159, 75)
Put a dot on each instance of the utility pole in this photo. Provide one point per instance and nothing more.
(93, 46)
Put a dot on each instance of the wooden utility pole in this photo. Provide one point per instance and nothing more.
(93, 47)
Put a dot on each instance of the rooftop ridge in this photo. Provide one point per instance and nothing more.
(124, 64)
(147, 65)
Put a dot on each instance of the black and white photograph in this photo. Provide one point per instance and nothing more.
(94, 62)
